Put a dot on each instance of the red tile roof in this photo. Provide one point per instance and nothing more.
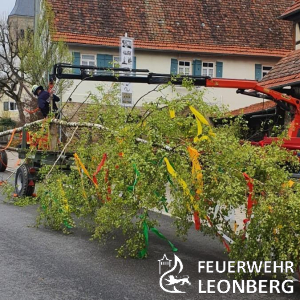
(244, 27)
(285, 72)
(253, 108)
(295, 8)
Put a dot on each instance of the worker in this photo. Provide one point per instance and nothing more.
(44, 100)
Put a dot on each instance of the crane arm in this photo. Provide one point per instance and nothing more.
(90, 73)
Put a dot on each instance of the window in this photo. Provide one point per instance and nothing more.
(184, 67)
(9, 106)
(22, 34)
(208, 69)
(88, 60)
(265, 70)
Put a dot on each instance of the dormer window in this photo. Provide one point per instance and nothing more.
(265, 70)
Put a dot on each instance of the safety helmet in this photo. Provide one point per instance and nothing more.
(35, 88)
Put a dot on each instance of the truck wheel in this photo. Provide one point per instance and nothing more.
(3, 161)
(24, 185)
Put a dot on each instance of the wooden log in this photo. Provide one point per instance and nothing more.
(74, 124)
(53, 137)
(55, 121)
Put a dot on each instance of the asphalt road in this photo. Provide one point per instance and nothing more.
(37, 263)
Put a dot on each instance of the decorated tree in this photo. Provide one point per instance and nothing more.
(166, 156)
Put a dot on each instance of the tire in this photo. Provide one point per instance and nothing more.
(24, 185)
(3, 161)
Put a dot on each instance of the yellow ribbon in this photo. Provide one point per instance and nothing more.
(172, 113)
(80, 166)
(81, 177)
(200, 119)
(289, 184)
(183, 184)
(196, 169)
(65, 201)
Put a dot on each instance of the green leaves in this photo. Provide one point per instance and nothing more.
(135, 180)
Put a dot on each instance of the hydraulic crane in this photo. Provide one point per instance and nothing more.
(246, 87)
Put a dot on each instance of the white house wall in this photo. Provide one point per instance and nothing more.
(237, 67)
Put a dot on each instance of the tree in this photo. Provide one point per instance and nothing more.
(208, 171)
(40, 51)
(27, 58)
(12, 79)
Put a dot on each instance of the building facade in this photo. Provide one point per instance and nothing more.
(241, 40)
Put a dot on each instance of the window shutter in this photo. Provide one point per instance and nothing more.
(76, 61)
(174, 66)
(108, 61)
(197, 67)
(101, 60)
(134, 62)
(258, 72)
(219, 69)
(5, 106)
(104, 61)
(134, 65)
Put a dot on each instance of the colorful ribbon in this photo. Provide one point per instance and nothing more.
(197, 220)
(196, 169)
(104, 158)
(146, 229)
(81, 166)
(183, 184)
(200, 120)
(136, 179)
(31, 111)
(172, 113)
(250, 201)
(163, 199)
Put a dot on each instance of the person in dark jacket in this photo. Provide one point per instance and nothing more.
(44, 100)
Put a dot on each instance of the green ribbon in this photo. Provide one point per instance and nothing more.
(66, 223)
(143, 252)
(137, 175)
(163, 199)
(160, 235)
(171, 181)
(146, 229)
(157, 162)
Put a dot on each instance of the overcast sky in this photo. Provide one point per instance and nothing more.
(6, 7)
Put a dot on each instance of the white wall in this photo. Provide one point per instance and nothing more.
(8, 114)
(237, 67)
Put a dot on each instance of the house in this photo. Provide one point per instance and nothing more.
(240, 39)
(285, 75)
